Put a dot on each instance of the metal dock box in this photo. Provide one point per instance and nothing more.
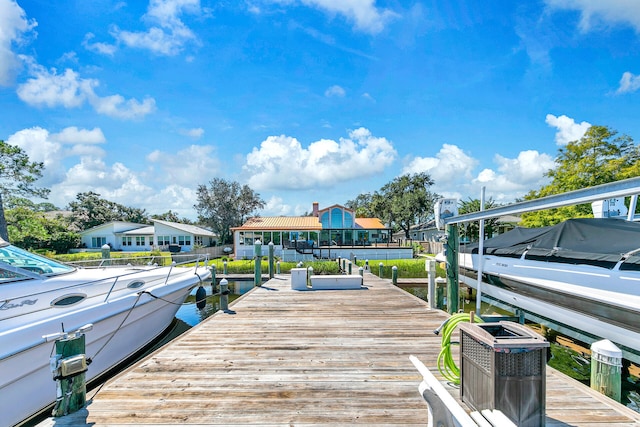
(502, 366)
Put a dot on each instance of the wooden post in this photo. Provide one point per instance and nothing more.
(431, 295)
(278, 267)
(441, 285)
(271, 250)
(224, 295)
(257, 279)
(380, 270)
(452, 268)
(394, 275)
(350, 266)
(69, 372)
(224, 268)
(213, 279)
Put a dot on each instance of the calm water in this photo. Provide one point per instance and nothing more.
(190, 314)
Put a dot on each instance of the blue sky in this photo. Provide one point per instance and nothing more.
(309, 100)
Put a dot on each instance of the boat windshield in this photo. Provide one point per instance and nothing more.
(14, 261)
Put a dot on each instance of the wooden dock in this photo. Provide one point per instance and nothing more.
(294, 358)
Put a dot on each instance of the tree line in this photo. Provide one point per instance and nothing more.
(599, 157)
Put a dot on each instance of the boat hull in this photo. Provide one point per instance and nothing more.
(121, 328)
(599, 302)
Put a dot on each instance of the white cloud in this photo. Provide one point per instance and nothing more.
(73, 135)
(628, 83)
(13, 25)
(98, 47)
(282, 163)
(568, 129)
(170, 35)
(363, 13)
(276, 206)
(194, 133)
(449, 164)
(452, 171)
(119, 107)
(116, 183)
(39, 146)
(181, 167)
(50, 89)
(368, 97)
(334, 91)
(597, 12)
(74, 163)
(526, 169)
(514, 178)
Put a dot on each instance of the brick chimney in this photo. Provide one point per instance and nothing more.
(315, 209)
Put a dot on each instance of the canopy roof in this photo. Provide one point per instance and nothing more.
(594, 241)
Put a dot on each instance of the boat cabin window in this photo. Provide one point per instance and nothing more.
(16, 264)
(10, 276)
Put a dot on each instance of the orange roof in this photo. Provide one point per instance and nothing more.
(370, 223)
(281, 223)
(300, 223)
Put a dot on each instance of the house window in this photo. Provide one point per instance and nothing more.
(324, 220)
(197, 240)
(98, 242)
(126, 240)
(184, 240)
(336, 218)
(140, 240)
(163, 240)
(348, 220)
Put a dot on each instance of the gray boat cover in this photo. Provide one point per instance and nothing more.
(595, 241)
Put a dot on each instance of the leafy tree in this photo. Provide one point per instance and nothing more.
(225, 204)
(17, 178)
(471, 230)
(361, 205)
(90, 210)
(171, 217)
(597, 158)
(14, 202)
(403, 202)
(32, 230)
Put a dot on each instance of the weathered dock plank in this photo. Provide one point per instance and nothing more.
(284, 357)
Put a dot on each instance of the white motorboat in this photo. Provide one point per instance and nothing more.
(128, 306)
(582, 273)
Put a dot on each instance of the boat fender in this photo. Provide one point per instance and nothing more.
(201, 298)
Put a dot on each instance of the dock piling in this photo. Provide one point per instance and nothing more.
(257, 280)
(271, 251)
(224, 295)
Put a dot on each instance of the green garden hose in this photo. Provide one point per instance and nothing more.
(446, 365)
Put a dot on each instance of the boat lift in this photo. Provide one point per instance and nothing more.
(618, 189)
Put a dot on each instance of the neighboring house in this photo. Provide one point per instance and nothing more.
(130, 236)
(328, 233)
(427, 231)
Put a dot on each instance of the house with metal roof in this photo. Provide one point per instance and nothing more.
(327, 233)
(129, 236)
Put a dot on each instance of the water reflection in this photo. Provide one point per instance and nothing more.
(189, 312)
